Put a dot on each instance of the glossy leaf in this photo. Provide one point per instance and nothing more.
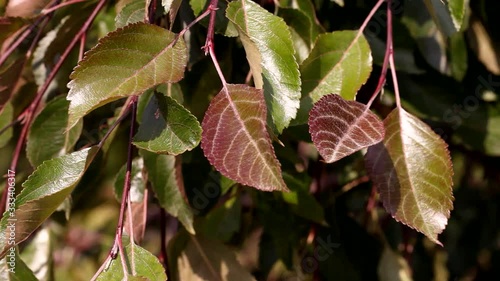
(162, 175)
(49, 131)
(167, 127)
(43, 192)
(340, 62)
(411, 169)
(235, 139)
(270, 53)
(122, 65)
(133, 12)
(143, 264)
(13, 268)
(340, 128)
(301, 29)
(209, 260)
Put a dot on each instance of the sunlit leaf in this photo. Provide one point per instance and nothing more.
(270, 53)
(143, 265)
(133, 12)
(49, 131)
(340, 62)
(486, 49)
(122, 65)
(43, 192)
(162, 175)
(339, 128)
(13, 268)
(411, 169)
(235, 139)
(209, 260)
(167, 127)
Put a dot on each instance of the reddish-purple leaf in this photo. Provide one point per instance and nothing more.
(235, 139)
(339, 128)
(412, 171)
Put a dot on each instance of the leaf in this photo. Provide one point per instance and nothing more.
(457, 10)
(144, 265)
(48, 131)
(43, 192)
(133, 12)
(137, 181)
(411, 169)
(340, 62)
(301, 29)
(167, 127)
(270, 53)
(38, 254)
(223, 222)
(122, 65)
(441, 15)
(161, 174)
(340, 128)
(207, 260)
(235, 139)
(393, 267)
(13, 268)
(301, 201)
(6, 115)
(486, 49)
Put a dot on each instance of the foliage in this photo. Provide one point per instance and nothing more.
(249, 140)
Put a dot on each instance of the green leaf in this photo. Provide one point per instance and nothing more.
(457, 10)
(6, 115)
(143, 264)
(43, 192)
(339, 63)
(209, 260)
(270, 53)
(167, 127)
(340, 128)
(235, 139)
(122, 65)
(133, 12)
(223, 222)
(302, 202)
(301, 29)
(162, 175)
(49, 131)
(137, 181)
(411, 169)
(13, 268)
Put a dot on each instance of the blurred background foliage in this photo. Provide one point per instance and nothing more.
(452, 81)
